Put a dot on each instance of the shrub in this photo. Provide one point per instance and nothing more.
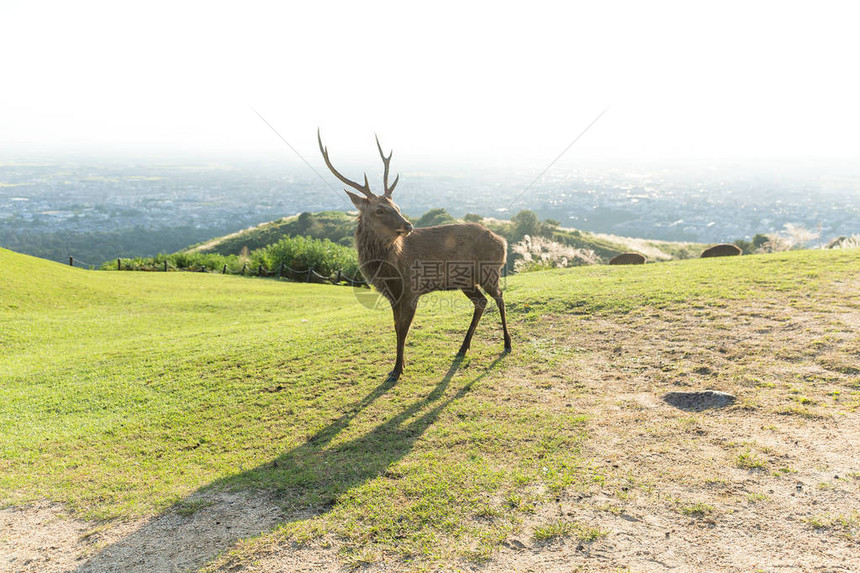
(745, 246)
(852, 242)
(435, 217)
(183, 260)
(298, 253)
(302, 253)
(526, 223)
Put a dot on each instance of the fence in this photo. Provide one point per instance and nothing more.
(73, 262)
(308, 275)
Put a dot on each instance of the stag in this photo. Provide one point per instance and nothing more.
(404, 263)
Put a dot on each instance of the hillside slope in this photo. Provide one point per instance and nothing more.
(339, 227)
(151, 421)
(335, 226)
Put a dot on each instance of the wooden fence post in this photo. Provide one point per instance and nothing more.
(165, 266)
(224, 270)
(71, 261)
(281, 270)
(119, 264)
(244, 266)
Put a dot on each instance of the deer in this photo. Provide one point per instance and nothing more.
(403, 263)
(627, 259)
(721, 250)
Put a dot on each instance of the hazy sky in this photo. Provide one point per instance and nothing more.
(477, 81)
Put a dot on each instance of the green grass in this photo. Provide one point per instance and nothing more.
(698, 509)
(747, 460)
(558, 529)
(125, 394)
(678, 284)
(845, 525)
(757, 497)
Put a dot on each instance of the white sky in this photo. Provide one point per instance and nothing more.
(477, 81)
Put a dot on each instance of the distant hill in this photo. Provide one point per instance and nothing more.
(336, 226)
(339, 227)
(95, 247)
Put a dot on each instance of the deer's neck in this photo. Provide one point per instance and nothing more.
(377, 255)
(373, 247)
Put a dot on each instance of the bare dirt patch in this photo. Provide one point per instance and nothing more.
(44, 538)
(770, 483)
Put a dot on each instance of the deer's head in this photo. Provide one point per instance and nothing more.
(378, 211)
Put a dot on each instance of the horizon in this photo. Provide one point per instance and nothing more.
(288, 161)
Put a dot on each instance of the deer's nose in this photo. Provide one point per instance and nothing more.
(407, 228)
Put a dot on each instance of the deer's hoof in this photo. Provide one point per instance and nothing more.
(508, 349)
(393, 376)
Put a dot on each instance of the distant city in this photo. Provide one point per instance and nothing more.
(104, 209)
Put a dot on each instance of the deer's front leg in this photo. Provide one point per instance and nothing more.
(403, 314)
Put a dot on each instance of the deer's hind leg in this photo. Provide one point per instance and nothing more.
(480, 302)
(495, 291)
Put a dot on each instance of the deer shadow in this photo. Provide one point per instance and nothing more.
(307, 481)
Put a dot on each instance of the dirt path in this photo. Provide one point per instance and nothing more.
(770, 483)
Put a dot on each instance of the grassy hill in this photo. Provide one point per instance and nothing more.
(335, 226)
(129, 396)
(339, 227)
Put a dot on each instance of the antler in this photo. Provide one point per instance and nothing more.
(385, 161)
(363, 188)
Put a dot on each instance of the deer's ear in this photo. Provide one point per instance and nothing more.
(359, 202)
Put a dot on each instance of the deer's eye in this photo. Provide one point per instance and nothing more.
(380, 211)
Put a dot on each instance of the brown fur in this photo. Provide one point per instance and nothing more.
(723, 250)
(404, 263)
(627, 259)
